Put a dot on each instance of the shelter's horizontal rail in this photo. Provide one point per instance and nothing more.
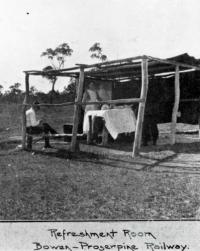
(116, 101)
(190, 100)
(31, 72)
(115, 68)
(112, 62)
(110, 69)
(123, 64)
(99, 78)
(48, 104)
(113, 65)
(52, 136)
(115, 75)
(57, 74)
(129, 71)
(53, 71)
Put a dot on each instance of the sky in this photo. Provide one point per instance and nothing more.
(124, 28)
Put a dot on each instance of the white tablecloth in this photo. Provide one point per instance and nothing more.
(116, 120)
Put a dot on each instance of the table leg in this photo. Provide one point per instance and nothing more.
(29, 142)
(89, 134)
(104, 135)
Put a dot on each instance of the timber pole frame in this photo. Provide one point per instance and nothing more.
(77, 110)
(26, 99)
(176, 105)
(141, 110)
(114, 65)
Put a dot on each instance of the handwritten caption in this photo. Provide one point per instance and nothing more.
(113, 240)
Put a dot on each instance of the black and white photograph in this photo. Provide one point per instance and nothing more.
(99, 110)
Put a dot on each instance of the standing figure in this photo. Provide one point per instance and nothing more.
(91, 95)
(150, 127)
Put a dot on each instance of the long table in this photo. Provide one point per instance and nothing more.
(116, 121)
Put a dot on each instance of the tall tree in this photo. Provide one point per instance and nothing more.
(70, 89)
(15, 93)
(97, 52)
(33, 90)
(15, 89)
(57, 58)
(1, 88)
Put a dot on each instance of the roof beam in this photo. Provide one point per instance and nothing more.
(165, 61)
(114, 65)
(112, 62)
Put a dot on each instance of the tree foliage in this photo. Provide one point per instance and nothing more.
(57, 58)
(1, 88)
(15, 89)
(58, 55)
(70, 89)
(33, 91)
(48, 74)
(14, 94)
(97, 52)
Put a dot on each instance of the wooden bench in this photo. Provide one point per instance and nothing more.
(30, 140)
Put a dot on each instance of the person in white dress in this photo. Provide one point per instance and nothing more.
(91, 95)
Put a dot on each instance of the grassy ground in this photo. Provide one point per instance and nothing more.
(54, 185)
(58, 186)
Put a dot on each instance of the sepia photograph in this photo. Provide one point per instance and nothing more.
(99, 110)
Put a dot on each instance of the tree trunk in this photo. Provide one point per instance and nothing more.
(52, 91)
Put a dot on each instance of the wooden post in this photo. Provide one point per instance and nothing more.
(140, 116)
(77, 109)
(24, 111)
(199, 124)
(176, 105)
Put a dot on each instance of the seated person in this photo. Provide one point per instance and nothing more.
(34, 126)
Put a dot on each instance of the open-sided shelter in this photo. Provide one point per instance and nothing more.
(139, 70)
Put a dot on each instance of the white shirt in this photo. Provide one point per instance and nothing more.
(31, 118)
(91, 97)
